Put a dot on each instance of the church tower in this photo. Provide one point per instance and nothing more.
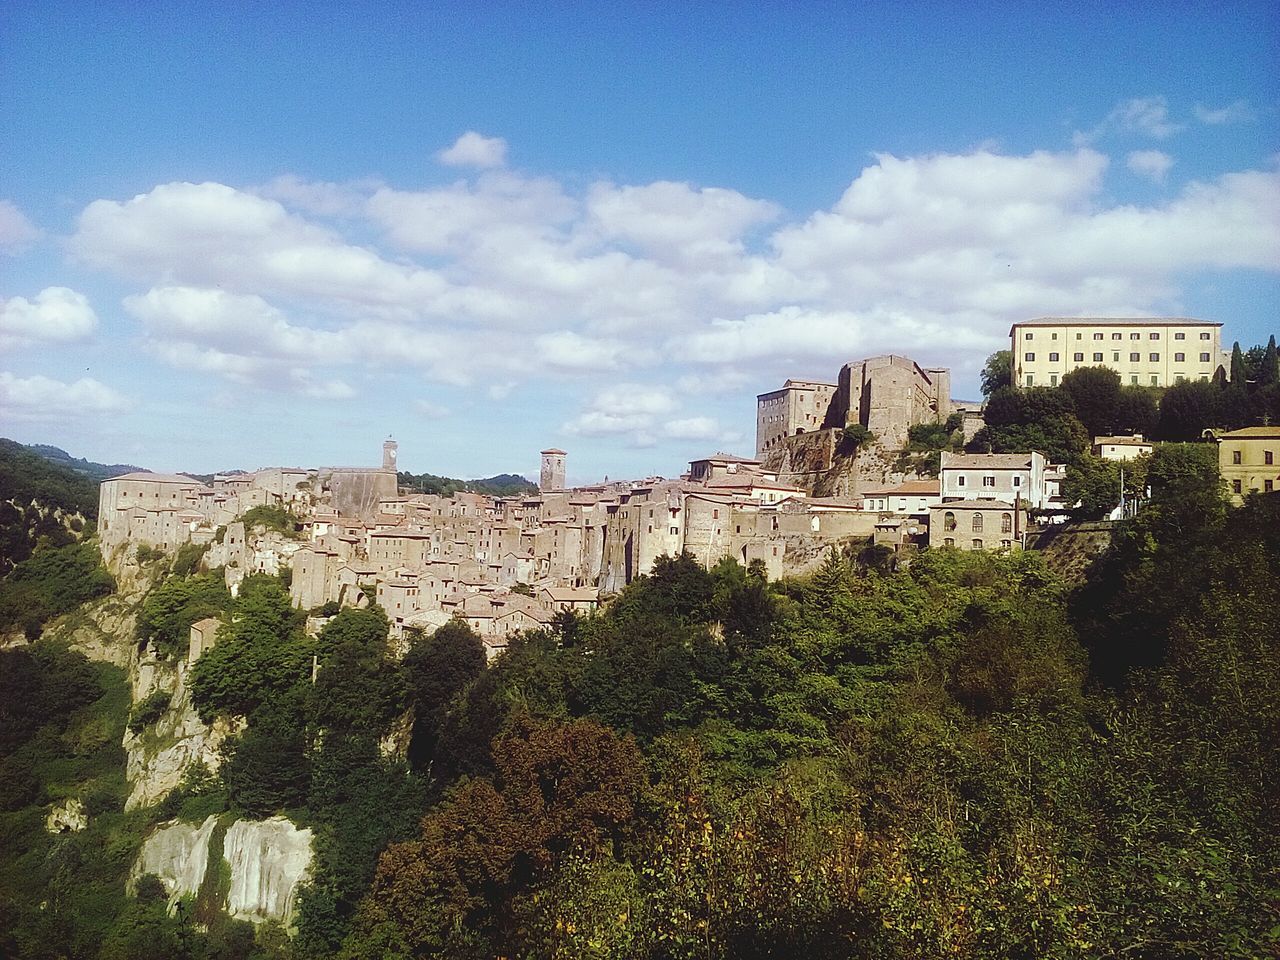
(389, 448)
(552, 474)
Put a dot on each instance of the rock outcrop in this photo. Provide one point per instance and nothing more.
(261, 864)
(177, 853)
(269, 861)
(67, 817)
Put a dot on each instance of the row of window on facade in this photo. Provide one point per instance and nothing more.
(949, 522)
(1268, 457)
(1115, 358)
(1268, 486)
(977, 544)
(1132, 336)
(989, 480)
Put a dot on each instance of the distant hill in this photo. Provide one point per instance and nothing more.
(97, 472)
(27, 478)
(503, 485)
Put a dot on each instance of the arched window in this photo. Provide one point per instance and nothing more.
(1006, 523)
(977, 523)
(948, 521)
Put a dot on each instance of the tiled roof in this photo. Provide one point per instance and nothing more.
(158, 478)
(1252, 433)
(987, 461)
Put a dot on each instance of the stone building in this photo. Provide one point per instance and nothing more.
(156, 509)
(1249, 461)
(1008, 477)
(1121, 448)
(800, 406)
(1144, 351)
(888, 395)
(551, 476)
(977, 525)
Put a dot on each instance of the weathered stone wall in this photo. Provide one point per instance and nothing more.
(356, 492)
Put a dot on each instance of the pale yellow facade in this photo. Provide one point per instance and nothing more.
(1249, 461)
(1145, 352)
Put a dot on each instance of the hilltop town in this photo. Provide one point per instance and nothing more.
(830, 468)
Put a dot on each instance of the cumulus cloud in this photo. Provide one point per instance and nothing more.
(16, 231)
(1151, 164)
(1237, 112)
(693, 428)
(504, 279)
(55, 315)
(473, 150)
(40, 398)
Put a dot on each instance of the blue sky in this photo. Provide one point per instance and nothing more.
(236, 235)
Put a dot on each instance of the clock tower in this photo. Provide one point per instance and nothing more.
(389, 448)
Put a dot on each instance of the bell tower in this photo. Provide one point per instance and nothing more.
(389, 448)
(551, 476)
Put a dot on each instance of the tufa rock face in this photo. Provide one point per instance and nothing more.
(178, 854)
(67, 817)
(269, 860)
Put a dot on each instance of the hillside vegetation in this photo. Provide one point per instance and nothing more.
(502, 485)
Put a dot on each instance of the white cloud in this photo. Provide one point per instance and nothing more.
(16, 231)
(571, 351)
(1138, 116)
(1237, 112)
(431, 410)
(40, 398)
(473, 150)
(692, 428)
(1151, 164)
(624, 409)
(319, 197)
(56, 315)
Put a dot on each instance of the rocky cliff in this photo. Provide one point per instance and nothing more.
(250, 869)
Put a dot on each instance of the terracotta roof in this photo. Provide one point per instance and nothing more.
(555, 451)
(572, 593)
(916, 487)
(1113, 322)
(1252, 433)
(158, 478)
(987, 461)
(974, 505)
(726, 457)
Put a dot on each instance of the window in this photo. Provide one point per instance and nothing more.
(1179, 336)
(1115, 356)
(1155, 336)
(959, 481)
(1155, 358)
(1268, 457)
(1204, 358)
(1030, 357)
(1097, 358)
(1053, 379)
(1235, 486)
(1268, 486)
(1053, 358)
(949, 542)
(1179, 358)
(1116, 336)
(1017, 481)
(1155, 380)
(1053, 336)
(949, 521)
(1027, 336)
(1006, 523)
(1135, 336)
(1079, 336)
(1134, 358)
(1079, 357)
(1006, 544)
(977, 523)
(977, 544)
(1204, 336)
(988, 481)
(715, 514)
(1097, 336)
(1030, 380)
(1133, 381)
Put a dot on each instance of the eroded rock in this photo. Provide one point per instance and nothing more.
(177, 853)
(269, 860)
(67, 817)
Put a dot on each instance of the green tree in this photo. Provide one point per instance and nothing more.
(1239, 373)
(1095, 392)
(437, 669)
(1269, 368)
(998, 372)
(1188, 409)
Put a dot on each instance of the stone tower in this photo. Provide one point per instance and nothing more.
(552, 475)
(389, 448)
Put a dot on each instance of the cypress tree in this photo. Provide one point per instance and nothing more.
(1238, 377)
(1270, 371)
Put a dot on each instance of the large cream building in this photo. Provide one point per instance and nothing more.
(1145, 351)
(1249, 460)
